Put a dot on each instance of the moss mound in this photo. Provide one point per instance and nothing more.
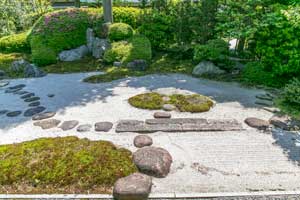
(62, 165)
(120, 31)
(184, 103)
(16, 43)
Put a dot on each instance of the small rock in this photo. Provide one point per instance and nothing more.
(4, 83)
(84, 128)
(32, 99)
(257, 123)
(140, 65)
(264, 103)
(103, 126)
(68, 125)
(168, 107)
(2, 112)
(73, 54)
(47, 124)
(264, 97)
(281, 122)
(117, 64)
(51, 95)
(44, 115)
(136, 186)
(34, 104)
(153, 161)
(162, 115)
(142, 141)
(27, 95)
(33, 111)
(14, 114)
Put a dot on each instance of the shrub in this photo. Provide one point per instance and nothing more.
(15, 43)
(291, 92)
(135, 48)
(120, 31)
(127, 15)
(61, 30)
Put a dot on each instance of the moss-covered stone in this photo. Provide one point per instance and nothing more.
(120, 31)
(62, 165)
(151, 101)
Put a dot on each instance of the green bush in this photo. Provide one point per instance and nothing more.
(120, 31)
(135, 48)
(127, 15)
(291, 92)
(15, 43)
(61, 30)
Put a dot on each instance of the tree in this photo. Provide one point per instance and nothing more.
(107, 10)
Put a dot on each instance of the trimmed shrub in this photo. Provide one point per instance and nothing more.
(127, 15)
(291, 92)
(120, 31)
(15, 43)
(61, 30)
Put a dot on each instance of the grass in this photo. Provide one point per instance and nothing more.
(62, 165)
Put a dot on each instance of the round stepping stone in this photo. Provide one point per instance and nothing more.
(31, 99)
(27, 96)
(14, 114)
(168, 107)
(33, 111)
(20, 86)
(44, 115)
(4, 83)
(162, 115)
(2, 112)
(136, 186)
(47, 124)
(257, 123)
(68, 125)
(103, 126)
(34, 104)
(50, 95)
(142, 141)
(153, 161)
(21, 92)
(84, 128)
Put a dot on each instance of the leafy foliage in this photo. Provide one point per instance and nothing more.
(15, 43)
(120, 31)
(291, 92)
(127, 15)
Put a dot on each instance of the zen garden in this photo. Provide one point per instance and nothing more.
(150, 99)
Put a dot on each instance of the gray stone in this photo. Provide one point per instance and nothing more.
(103, 126)
(2, 74)
(68, 125)
(31, 99)
(20, 86)
(47, 124)
(168, 107)
(264, 103)
(29, 95)
(84, 128)
(14, 114)
(51, 95)
(264, 97)
(73, 54)
(207, 67)
(34, 104)
(272, 109)
(153, 161)
(142, 141)
(21, 92)
(136, 186)
(117, 64)
(281, 122)
(139, 65)
(12, 90)
(32, 71)
(257, 123)
(90, 39)
(18, 65)
(162, 115)
(33, 111)
(2, 112)
(44, 115)
(99, 47)
(4, 83)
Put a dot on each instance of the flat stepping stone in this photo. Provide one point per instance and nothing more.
(162, 115)
(33, 111)
(257, 123)
(20, 86)
(68, 125)
(21, 92)
(50, 95)
(44, 115)
(264, 103)
(47, 124)
(264, 97)
(103, 126)
(12, 90)
(29, 95)
(168, 107)
(34, 104)
(2, 112)
(14, 114)
(153, 161)
(272, 109)
(178, 125)
(282, 122)
(136, 186)
(31, 99)
(84, 128)
(4, 83)
(142, 141)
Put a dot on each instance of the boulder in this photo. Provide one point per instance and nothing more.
(18, 65)
(99, 46)
(257, 123)
(136, 186)
(207, 67)
(73, 54)
(153, 161)
(139, 65)
(90, 39)
(33, 71)
(142, 141)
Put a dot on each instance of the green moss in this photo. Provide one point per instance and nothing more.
(120, 31)
(7, 59)
(62, 165)
(151, 101)
(16, 43)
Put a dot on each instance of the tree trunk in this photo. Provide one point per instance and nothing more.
(241, 45)
(107, 10)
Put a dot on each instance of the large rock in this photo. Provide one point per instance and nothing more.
(153, 161)
(136, 186)
(33, 71)
(139, 65)
(99, 47)
(18, 65)
(73, 54)
(142, 141)
(260, 124)
(207, 67)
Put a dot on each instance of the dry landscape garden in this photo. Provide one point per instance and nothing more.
(136, 100)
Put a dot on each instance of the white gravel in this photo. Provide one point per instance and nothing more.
(203, 162)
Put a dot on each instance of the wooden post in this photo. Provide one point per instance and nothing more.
(107, 10)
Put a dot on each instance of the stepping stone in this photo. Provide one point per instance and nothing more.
(153, 161)
(68, 125)
(20, 86)
(162, 115)
(84, 128)
(281, 122)
(31, 99)
(136, 186)
(4, 83)
(47, 124)
(50, 95)
(264, 103)
(257, 123)
(21, 92)
(33, 111)
(272, 109)
(12, 90)
(264, 97)
(168, 107)
(29, 95)
(34, 104)
(103, 126)
(142, 141)
(14, 114)
(44, 115)
(2, 112)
